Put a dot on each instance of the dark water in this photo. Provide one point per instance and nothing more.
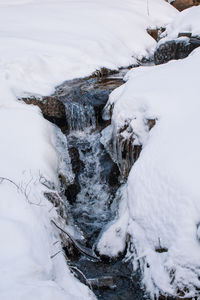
(97, 180)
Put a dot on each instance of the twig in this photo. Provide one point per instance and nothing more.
(52, 256)
(79, 271)
(148, 7)
(4, 178)
(81, 248)
(20, 188)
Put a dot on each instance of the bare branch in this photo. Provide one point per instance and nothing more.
(81, 248)
(79, 271)
(52, 256)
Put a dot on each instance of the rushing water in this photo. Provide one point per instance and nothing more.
(97, 180)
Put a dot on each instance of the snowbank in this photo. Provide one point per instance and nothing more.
(44, 42)
(186, 22)
(26, 235)
(163, 189)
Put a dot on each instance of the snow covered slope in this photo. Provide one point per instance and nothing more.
(44, 42)
(163, 191)
(186, 21)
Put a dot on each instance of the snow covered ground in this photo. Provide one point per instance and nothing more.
(162, 196)
(44, 42)
(186, 22)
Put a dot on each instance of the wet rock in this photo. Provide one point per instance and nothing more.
(77, 164)
(103, 72)
(126, 153)
(72, 191)
(124, 145)
(127, 284)
(113, 179)
(175, 49)
(110, 172)
(52, 108)
(85, 98)
(102, 282)
(70, 250)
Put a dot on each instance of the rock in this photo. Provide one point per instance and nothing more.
(155, 33)
(55, 199)
(151, 123)
(110, 171)
(103, 72)
(77, 164)
(113, 178)
(72, 191)
(175, 49)
(52, 108)
(183, 4)
(102, 282)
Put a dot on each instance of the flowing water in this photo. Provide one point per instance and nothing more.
(97, 179)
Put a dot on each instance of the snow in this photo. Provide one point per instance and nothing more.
(44, 42)
(186, 22)
(112, 240)
(163, 189)
(53, 41)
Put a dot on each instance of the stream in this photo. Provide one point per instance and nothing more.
(97, 180)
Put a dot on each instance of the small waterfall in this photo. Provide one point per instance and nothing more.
(79, 116)
(92, 192)
(91, 208)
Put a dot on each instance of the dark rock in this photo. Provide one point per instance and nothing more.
(113, 179)
(72, 191)
(187, 34)
(77, 164)
(161, 250)
(175, 49)
(102, 282)
(110, 171)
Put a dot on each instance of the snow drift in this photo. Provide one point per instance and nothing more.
(162, 193)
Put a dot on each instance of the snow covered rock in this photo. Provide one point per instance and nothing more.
(181, 37)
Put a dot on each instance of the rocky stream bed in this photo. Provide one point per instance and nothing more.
(97, 179)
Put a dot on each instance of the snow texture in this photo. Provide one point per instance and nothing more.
(163, 190)
(44, 42)
(186, 22)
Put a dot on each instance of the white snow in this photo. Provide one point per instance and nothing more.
(186, 22)
(44, 42)
(163, 188)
